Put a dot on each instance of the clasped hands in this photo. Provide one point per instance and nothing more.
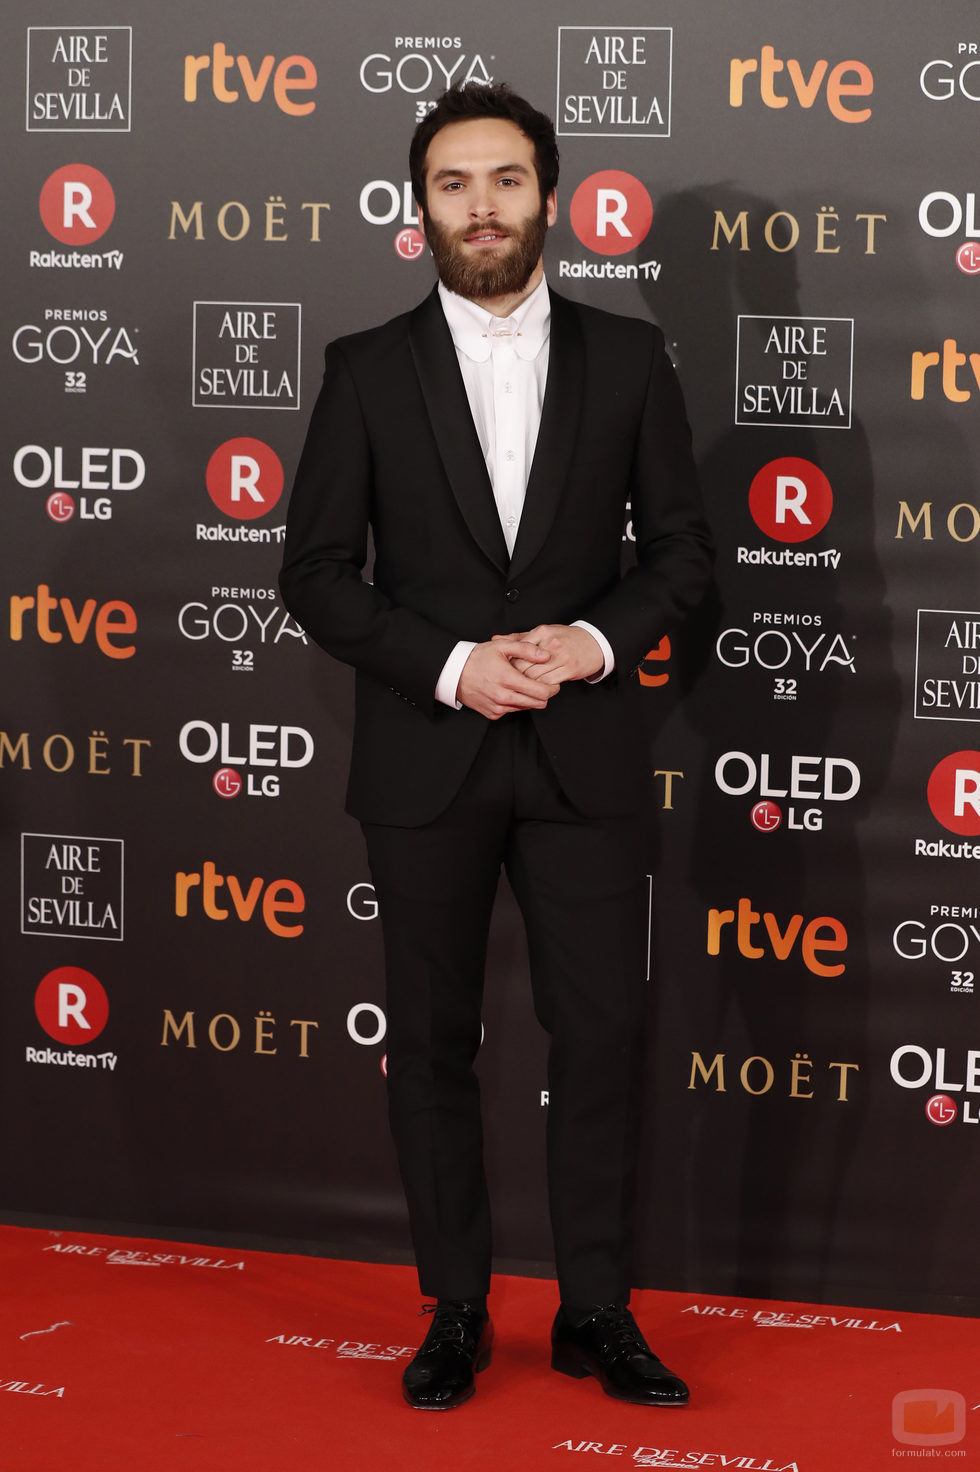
(524, 671)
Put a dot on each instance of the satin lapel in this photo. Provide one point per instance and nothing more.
(561, 415)
(452, 423)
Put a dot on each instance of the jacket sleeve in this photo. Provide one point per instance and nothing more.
(674, 550)
(326, 545)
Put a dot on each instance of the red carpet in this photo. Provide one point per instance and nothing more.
(125, 1355)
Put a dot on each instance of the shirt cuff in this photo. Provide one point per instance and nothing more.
(609, 659)
(448, 681)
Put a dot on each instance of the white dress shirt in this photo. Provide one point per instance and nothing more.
(504, 364)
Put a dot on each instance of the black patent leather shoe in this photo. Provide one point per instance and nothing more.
(610, 1346)
(456, 1348)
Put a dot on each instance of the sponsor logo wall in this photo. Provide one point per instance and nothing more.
(189, 930)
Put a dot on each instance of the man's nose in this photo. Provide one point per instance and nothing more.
(482, 206)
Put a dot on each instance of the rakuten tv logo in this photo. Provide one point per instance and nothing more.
(244, 478)
(954, 793)
(611, 212)
(77, 204)
(791, 499)
(71, 1005)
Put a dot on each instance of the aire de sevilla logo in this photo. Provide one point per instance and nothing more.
(71, 1005)
(611, 212)
(790, 499)
(244, 478)
(77, 204)
(954, 792)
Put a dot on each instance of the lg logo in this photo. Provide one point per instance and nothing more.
(611, 212)
(71, 1005)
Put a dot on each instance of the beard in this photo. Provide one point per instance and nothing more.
(503, 271)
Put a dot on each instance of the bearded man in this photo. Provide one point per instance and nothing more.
(492, 440)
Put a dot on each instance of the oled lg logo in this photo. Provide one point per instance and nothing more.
(263, 752)
(245, 480)
(92, 469)
(72, 1007)
(611, 213)
(953, 216)
(915, 1067)
(808, 780)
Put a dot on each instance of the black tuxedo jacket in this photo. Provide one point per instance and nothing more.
(392, 447)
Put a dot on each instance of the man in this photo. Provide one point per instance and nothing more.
(491, 439)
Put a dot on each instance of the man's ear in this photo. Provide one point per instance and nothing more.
(420, 215)
(551, 208)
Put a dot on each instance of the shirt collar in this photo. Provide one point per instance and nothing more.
(471, 325)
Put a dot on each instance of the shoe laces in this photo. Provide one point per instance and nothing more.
(619, 1331)
(453, 1323)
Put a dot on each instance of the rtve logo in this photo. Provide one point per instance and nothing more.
(790, 499)
(805, 89)
(113, 621)
(77, 204)
(952, 360)
(611, 212)
(292, 74)
(71, 1005)
(822, 934)
(244, 478)
(278, 897)
(954, 792)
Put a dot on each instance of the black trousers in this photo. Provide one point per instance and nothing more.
(582, 888)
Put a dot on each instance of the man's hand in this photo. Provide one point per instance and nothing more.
(493, 681)
(572, 653)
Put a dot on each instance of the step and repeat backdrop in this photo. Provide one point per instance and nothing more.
(193, 1024)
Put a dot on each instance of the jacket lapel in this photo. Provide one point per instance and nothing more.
(452, 423)
(561, 415)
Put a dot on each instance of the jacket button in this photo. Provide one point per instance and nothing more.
(512, 595)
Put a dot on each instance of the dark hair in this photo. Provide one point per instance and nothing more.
(471, 100)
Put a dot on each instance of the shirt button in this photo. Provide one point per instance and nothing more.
(509, 455)
(512, 595)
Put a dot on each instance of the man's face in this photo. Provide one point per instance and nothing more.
(484, 219)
